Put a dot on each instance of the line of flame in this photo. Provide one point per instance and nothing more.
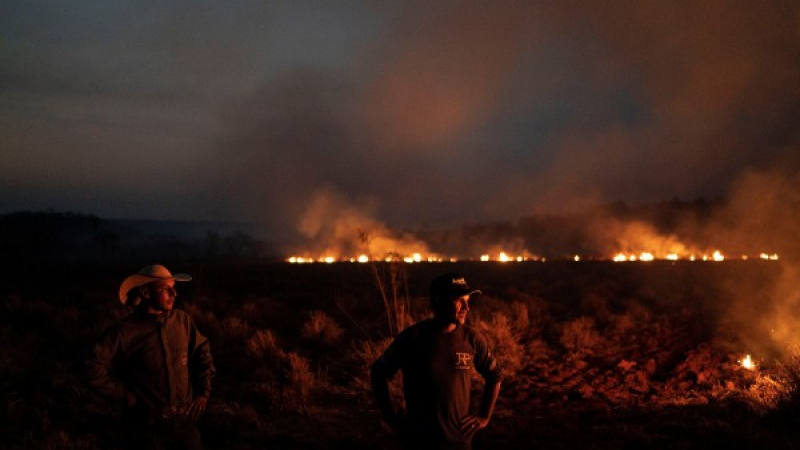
(508, 257)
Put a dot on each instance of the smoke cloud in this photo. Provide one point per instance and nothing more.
(477, 112)
(765, 212)
(338, 228)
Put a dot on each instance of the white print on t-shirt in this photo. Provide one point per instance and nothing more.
(463, 360)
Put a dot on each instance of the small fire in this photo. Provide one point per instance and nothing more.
(748, 363)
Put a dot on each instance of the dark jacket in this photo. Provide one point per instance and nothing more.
(163, 361)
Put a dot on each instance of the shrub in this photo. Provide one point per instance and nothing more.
(262, 344)
(580, 336)
(252, 311)
(301, 380)
(505, 342)
(61, 439)
(623, 324)
(206, 322)
(782, 394)
(263, 312)
(230, 419)
(322, 328)
(364, 354)
(641, 315)
(520, 319)
(539, 318)
(538, 349)
(596, 306)
(235, 327)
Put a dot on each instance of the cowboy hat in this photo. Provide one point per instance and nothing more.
(146, 275)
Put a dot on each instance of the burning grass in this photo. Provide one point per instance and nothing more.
(607, 358)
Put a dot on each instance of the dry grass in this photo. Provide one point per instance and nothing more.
(322, 329)
(234, 327)
(262, 344)
(364, 354)
(301, 381)
(580, 337)
(505, 342)
(205, 321)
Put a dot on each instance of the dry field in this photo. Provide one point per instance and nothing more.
(598, 355)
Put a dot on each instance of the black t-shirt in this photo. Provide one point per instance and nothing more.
(437, 370)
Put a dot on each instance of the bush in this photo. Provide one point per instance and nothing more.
(322, 328)
(520, 318)
(235, 327)
(364, 354)
(538, 349)
(539, 318)
(623, 324)
(596, 306)
(301, 380)
(262, 344)
(580, 336)
(205, 321)
(505, 342)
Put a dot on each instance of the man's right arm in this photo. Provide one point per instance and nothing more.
(381, 372)
(379, 376)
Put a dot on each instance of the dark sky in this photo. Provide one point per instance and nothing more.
(406, 113)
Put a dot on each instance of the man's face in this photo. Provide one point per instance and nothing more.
(455, 310)
(161, 295)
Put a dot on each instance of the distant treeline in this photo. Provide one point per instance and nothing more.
(66, 236)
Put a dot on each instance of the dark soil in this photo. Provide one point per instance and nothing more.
(599, 355)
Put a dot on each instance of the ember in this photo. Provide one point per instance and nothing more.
(748, 363)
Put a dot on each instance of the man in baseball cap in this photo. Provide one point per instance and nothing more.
(155, 363)
(437, 357)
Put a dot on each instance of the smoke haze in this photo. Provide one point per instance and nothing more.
(439, 113)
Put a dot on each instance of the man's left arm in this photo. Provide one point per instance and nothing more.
(472, 422)
(202, 370)
(486, 365)
(490, 394)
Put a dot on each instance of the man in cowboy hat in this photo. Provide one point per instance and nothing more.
(155, 364)
(436, 357)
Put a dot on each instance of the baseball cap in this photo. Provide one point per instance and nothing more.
(450, 285)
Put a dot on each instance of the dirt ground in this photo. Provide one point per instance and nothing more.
(597, 355)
